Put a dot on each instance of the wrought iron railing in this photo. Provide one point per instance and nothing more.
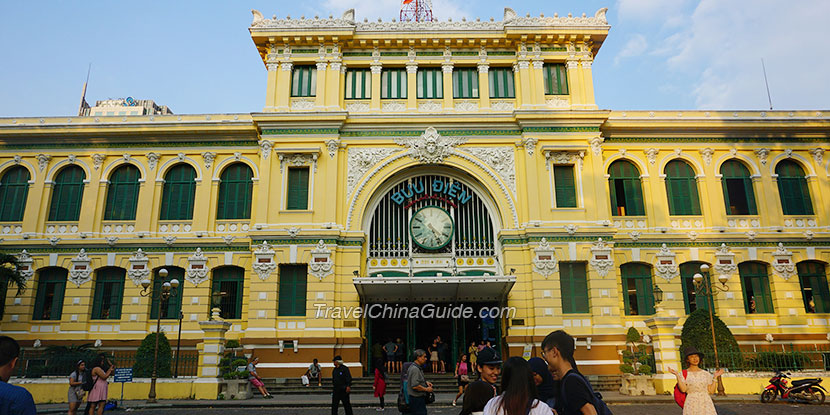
(36, 363)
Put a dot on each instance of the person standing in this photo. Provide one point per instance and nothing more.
(462, 374)
(433, 355)
(473, 351)
(76, 393)
(489, 367)
(341, 384)
(101, 371)
(14, 400)
(545, 385)
(476, 397)
(255, 380)
(519, 393)
(444, 360)
(390, 348)
(698, 384)
(575, 395)
(379, 385)
(399, 355)
(417, 386)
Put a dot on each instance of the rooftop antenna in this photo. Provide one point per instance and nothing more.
(416, 10)
(769, 97)
(84, 105)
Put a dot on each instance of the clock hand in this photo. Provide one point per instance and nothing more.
(432, 228)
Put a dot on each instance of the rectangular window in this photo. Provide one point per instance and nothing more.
(393, 84)
(574, 284)
(564, 186)
(501, 83)
(465, 83)
(109, 293)
(430, 83)
(638, 291)
(814, 289)
(358, 84)
(228, 281)
(49, 297)
(297, 194)
(304, 81)
(556, 79)
(292, 295)
(691, 299)
(755, 284)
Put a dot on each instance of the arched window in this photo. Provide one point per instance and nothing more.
(109, 293)
(690, 297)
(235, 190)
(51, 283)
(14, 187)
(67, 193)
(626, 190)
(738, 194)
(792, 187)
(755, 285)
(122, 193)
(227, 282)
(170, 307)
(638, 292)
(179, 193)
(812, 276)
(681, 189)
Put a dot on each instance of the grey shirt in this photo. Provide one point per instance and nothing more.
(415, 377)
(251, 371)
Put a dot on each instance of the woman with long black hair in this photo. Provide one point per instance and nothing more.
(101, 370)
(519, 393)
(76, 392)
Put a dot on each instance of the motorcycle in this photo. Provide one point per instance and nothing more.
(801, 390)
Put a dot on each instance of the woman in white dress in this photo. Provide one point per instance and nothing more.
(698, 384)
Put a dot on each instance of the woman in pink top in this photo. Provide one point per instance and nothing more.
(462, 373)
(102, 369)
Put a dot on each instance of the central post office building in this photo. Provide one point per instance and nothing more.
(410, 163)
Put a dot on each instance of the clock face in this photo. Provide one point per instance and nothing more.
(431, 227)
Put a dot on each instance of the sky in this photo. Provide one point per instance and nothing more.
(197, 56)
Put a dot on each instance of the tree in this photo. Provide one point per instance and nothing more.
(636, 360)
(698, 333)
(10, 272)
(143, 367)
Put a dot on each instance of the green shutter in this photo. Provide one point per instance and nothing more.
(229, 279)
(755, 283)
(465, 83)
(109, 293)
(624, 172)
(235, 192)
(297, 192)
(393, 83)
(358, 84)
(14, 188)
(793, 189)
(292, 290)
(50, 290)
(67, 193)
(633, 197)
(681, 189)
(430, 83)
(122, 194)
(556, 80)
(574, 286)
(169, 309)
(565, 188)
(636, 278)
(304, 81)
(178, 193)
(501, 83)
(813, 280)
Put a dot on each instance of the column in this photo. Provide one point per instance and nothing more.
(334, 87)
(588, 99)
(574, 82)
(446, 68)
(283, 90)
(271, 88)
(526, 81)
(538, 84)
(412, 86)
(146, 194)
(376, 70)
(210, 352)
(322, 74)
(665, 351)
(484, 86)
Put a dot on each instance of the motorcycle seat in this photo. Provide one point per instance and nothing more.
(800, 382)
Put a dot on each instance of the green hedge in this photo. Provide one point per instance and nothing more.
(697, 332)
(143, 367)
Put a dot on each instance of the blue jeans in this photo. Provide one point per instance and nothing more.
(417, 405)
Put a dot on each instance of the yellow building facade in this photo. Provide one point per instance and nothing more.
(373, 136)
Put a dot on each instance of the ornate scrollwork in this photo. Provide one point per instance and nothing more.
(544, 259)
(321, 264)
(602, 259)
(264, 263)
(783, 263)
(197, 270)
(665, 265)
(138, 267)
(80, 272)
(430, 147)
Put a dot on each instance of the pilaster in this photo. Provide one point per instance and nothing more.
(665, 350)
(271, 87)
(588, 100)
(334, 87)
(376, 70)
(538, 78)
(210, 352)
(412, 86)
(484, 86)
(524, 84)
(283, 90)
(322, 75)
(574, 83)
(446, 70)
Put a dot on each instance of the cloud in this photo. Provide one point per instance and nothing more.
(636, 46)
(650, 9)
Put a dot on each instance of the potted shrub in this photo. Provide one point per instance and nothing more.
(235, 383)
(636, 367)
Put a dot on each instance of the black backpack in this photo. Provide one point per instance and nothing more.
(599, 405)
(88, 380)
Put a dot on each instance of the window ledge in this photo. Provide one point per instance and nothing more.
(297, 211)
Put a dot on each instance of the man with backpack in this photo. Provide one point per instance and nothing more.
(576, 396)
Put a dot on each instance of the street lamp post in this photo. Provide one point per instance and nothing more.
(704, 286)
(168, 288)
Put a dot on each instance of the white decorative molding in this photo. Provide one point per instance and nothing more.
(358, 106)
(466, 105)
(138, 267)
(665, 264)
(596, 144)
(17, 158)
(393, 106)
(651, 154)
(564, 157)
(265, 147)
(71, 159)
(98, 160)
(557, 102)
(153, 159)
(111, 240)
(321, 264)
(602, 259)
(360, 160)
(264, 263)
(571, 228)
(332, 145)
(817, 153)
(544, 259)
(529, 144)
(209, 157)
(80, 272)
(707, 155)
(43, 160)
(197, 269)
(724, 261)
(430, 106)
(54, 240)
(501, 159)
(762, 154)
(25, 266)
(783, 262)
(502, 105)
(298, 159)
(430, 147)
(635, 235)
(302, 104)
(228, 239)
(169, 239)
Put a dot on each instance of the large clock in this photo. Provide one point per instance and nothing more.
(431, 227)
